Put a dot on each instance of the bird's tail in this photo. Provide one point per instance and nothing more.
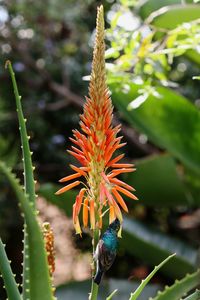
(98, 276)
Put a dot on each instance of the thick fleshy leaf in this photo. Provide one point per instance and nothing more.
(173, 15)
(125, 287)
(40, 282)
(139, 290)
(150, 6)
(112, 294)
(7, 275)
(152, 246)
(193, 296)
(29, 184)
(157, 182)
(179, 288)
(168, 119)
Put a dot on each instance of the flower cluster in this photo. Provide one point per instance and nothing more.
(49, 245)
(94, 148)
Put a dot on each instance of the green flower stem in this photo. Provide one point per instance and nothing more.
(28, 178)
(8, 277)
(94, 291)
(94, 287)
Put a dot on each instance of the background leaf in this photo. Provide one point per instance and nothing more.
(169, 120)
(150, 6)
(64, 201)
(157, 183)
(173, 15)
(152, 246)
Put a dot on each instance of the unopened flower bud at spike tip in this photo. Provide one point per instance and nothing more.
(94, 147)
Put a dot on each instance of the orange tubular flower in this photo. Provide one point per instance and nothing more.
(94, 148)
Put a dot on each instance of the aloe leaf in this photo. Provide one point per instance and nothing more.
(149, 6)
(173, 15)
(179, 288)
(27, 161)
(162, 118)
(194, 296)
(40, 282)
(154, 190)
(8, 277)
(28, 177)
(111, 295)
(144, 282)
(152, 246)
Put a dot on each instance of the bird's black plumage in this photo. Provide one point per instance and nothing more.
(106, 250)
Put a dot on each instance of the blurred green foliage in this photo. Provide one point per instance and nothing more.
(153, 53)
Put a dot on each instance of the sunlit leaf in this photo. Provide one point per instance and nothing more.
(170, 121)
(170, 16)
(149, 6)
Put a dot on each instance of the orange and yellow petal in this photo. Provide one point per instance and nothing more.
(121, 183)
(85, 212)
(78, 170)
(118, 212)
(125, 192)
(115, 160)
(70, 177)
(78, 203)
(112, 215)
(92, 214)
(120, 199)
(67, 187)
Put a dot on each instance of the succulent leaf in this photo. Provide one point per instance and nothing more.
(29, 183)
(179, 288)
(144, 282)
(8, 277)
(40, 282)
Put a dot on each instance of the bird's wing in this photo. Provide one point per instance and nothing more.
(105, 256)
(96, 253)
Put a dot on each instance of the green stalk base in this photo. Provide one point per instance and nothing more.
(94, 291)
